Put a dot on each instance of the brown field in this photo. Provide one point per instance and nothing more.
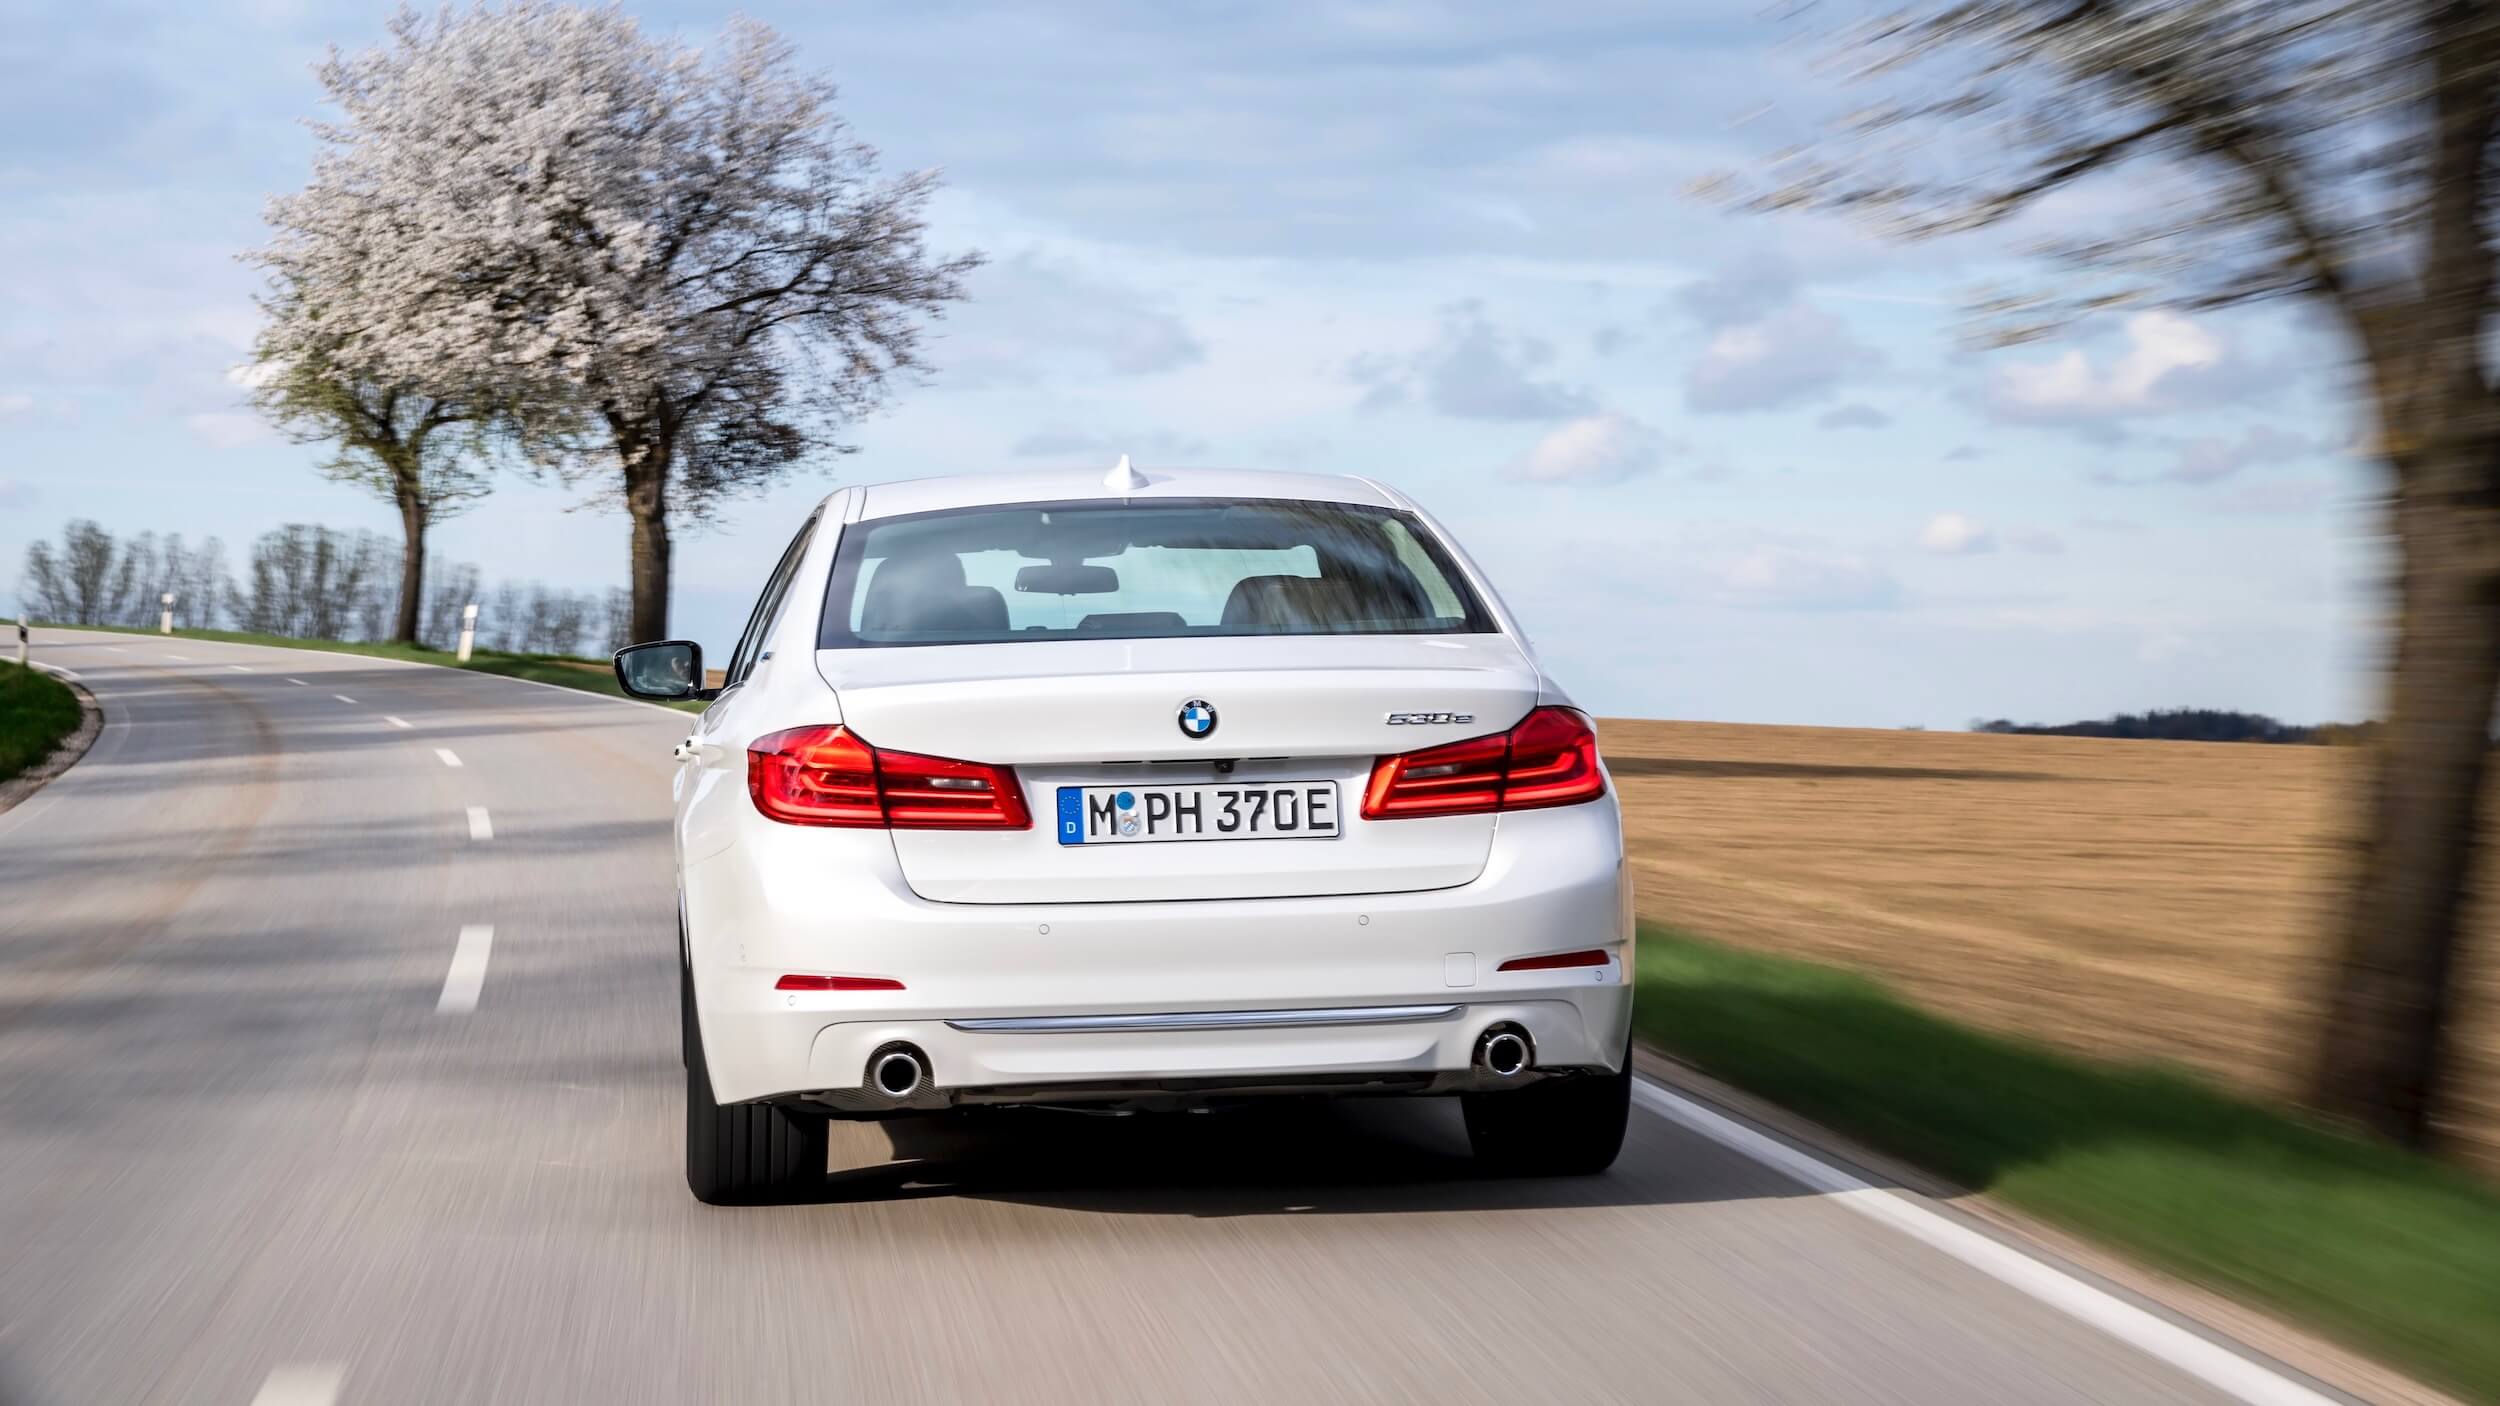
(2165, 900)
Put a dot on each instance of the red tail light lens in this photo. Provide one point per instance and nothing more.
(1549, 759)
(829, 776)
(802, 981)
(1552, 961)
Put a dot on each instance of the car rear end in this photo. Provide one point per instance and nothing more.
(1151, 799)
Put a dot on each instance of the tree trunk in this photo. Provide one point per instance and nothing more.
(2382, 1056)
(412, 524)
(646, 501)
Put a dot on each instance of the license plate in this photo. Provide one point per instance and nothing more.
(1125, 815)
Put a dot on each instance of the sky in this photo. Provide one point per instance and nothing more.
(1723, 466)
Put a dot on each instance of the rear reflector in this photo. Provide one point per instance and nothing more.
(1549, 759)
(830, 776)
(800, 981)
(1555, 961)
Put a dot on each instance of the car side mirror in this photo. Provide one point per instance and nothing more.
(667, 672)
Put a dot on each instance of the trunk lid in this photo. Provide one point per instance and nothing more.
(1301, 709)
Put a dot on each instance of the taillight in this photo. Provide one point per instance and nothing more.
(829, 776)
(1549, 759)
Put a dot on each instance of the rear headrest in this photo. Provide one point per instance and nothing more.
(911, 595)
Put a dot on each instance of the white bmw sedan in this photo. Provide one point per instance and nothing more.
(1146, 792)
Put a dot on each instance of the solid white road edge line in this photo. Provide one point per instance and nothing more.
(481, 827)
(2149, 1333)
(53, 669)
(468, 971)
(450, 757)
(397, 721)
(239, 668)
(185, 658)
(301, 1384)
(343, 698)
(299, 683)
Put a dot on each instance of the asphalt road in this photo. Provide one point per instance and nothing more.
(247, 1156)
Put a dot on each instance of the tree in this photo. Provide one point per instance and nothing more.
(395, 437)
(2336, 151)
(678, 264)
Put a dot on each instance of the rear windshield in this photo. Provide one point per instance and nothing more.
(1160, 570)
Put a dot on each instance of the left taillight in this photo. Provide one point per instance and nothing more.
(1549, 759)
(829, 775)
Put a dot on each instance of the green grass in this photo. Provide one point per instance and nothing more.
(2390, 1252)
(562, 670)
(36, 712)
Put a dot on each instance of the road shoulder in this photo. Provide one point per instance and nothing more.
(64, 756)
(2217, 1316)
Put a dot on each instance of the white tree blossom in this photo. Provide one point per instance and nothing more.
(673, 262)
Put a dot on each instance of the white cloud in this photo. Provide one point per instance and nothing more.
(1783, 576)
(1067, 442)
(1595, 449)
(1032, 315)
(1954, 535)
(1795, 354)
(2171, 363)
(2213, 458)
(16, 403)
(1473, 370)
(1853, 416)
(230, 429)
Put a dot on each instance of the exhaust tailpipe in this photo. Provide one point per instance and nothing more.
(1502, 1053)
(897, 1071)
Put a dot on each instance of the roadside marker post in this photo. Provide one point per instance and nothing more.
(165, 622)
(21, 641)
(468, 629)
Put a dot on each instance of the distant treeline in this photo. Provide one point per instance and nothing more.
(2193, 725)
(307, 582)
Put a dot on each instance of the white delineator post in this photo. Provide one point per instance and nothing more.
(468, 630)
(165, 622)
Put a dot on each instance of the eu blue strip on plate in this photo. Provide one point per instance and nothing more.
(1071, 815)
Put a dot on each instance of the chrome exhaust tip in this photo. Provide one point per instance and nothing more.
(1502, 1053)
(896, 1071)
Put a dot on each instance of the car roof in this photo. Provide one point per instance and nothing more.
(921, 495)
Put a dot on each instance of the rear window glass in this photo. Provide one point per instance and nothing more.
(1160, 570)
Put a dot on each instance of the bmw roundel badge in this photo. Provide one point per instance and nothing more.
(1197, 718)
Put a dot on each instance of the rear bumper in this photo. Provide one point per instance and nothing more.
(784, 900)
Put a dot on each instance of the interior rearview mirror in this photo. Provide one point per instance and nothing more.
(666, 671)
(1077, 580)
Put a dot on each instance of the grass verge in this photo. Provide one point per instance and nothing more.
(36, 712)
(588, 675)
(2382, 1249)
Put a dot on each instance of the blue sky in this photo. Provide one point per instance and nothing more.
(1724, 467)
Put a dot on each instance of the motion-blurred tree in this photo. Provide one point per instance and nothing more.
(2338, 151)
(677, 260)
(415, 442)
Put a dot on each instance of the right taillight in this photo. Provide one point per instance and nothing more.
(829, 776)
(1549, 759)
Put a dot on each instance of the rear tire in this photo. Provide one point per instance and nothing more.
(1565, 1127)
(747, 1153)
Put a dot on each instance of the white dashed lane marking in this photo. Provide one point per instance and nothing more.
(397, 721)
(468, 970)
(301, 1384)
(343, 698)
(450, 757)
(481, 827)
(299, 683)
(238, 668)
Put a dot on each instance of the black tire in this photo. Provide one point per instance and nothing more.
(1562, 1127)
(747, 1153)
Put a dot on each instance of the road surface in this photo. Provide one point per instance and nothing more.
(338, 1065)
